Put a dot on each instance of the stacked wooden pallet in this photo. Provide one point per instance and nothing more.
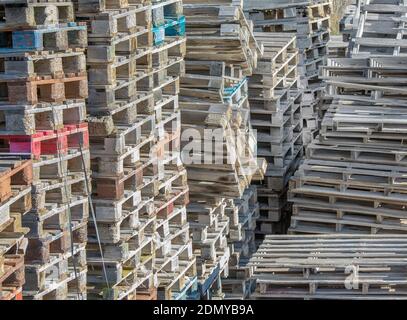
(228, 169)
(43, 87)
(331, 267)
(123, 148)
(349, 22)
(220, 30)
(242, 214)
(310, 21)
(352, 179)
(210, 227)
(379, 28)
(220, 159)
(276, 115)
(15, 201)
(135, 58)
(175, 263)
(214, 97)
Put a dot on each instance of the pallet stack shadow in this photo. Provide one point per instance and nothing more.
(43, 87)
(135, 57)
(221, 52)
(310, 21)
(353, 178)
(15, 201)
(331, 267)
(276, 114)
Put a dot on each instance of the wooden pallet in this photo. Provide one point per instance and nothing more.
(224, 39)
(330, 267)
(95, 6)
(51, 279)
(26, 91)
(34, 14)
(174, 274)
(367, 187)
(56, 38)
(309, 21)
(27, 119)
(384, 38)
(129, 266)
(11, 262)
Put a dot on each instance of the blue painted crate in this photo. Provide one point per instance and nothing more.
(30, 39)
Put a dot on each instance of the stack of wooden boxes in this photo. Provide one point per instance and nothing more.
(43, 87)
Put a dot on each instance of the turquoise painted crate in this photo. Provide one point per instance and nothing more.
(229, 92)
(158, 35)
(176, 28)
(171, 28)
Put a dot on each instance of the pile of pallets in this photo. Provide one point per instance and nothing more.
(352, 178)
(135, 58)
(242, 214)
(214, 104)
(331, 267)
(310, 21)
(210, 227)
(220, 32)
(175, 263)
(123, 149)
(276, 115)
(221, 160)
(379, 26)
(214, 97)
(15, 202)
(351, 184)
(227, 170)
(44, 85)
